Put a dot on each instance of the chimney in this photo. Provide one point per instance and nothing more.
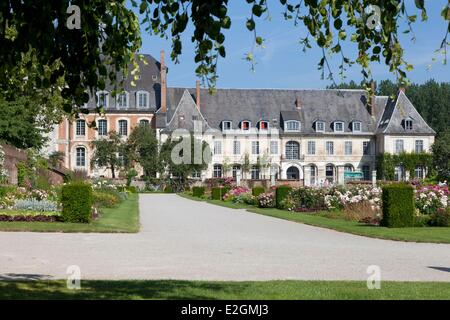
(163, 83)
(298, 104)
(372, 106)
(197, 96)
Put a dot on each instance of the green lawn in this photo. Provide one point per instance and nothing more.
(123, 218)
(173, 289)
(421, 234)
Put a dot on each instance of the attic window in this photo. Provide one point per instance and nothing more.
(408, 124)
(338, 126)
(155, 78)
(227, 125)
(356, 126)
(320, 126)
(292, 125)
(263, 125)
(245, 125)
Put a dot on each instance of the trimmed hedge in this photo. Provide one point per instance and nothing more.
(398, 206)
(217, 193)
(168, 189)
(256, 191)
(281, 193)
(76, 201)
(198, 191)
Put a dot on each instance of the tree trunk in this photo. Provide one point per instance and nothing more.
(113, 172)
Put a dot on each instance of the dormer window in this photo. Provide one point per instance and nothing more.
(320, 126)
(227, 125)
(356, 126)
(102, 99)
(408, 124)
(292, 125)
(245, 125)
(263, 125)
(142, 99)
(338, 126)
(122, 100)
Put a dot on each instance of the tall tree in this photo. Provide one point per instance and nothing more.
(106, 152)
(441, 156)
(142, 147)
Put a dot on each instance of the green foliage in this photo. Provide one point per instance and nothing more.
(398, 206)
(131, 189)
(218, 193)
(131, 174)
(22, 173)
(106, 152)
(77, 200)
(56, 158)
(105, 199)
(387, 162)
(168, 189)
(281, 193)
(441, 218)
(441, 156)
(142, 147)
(198, 191)
(256, 191)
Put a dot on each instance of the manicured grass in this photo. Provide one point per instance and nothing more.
(264, 290)
(28, 213)
(420, 234)
(123, 218)
(221, 203)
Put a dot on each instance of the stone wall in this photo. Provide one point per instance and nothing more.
(12, 157)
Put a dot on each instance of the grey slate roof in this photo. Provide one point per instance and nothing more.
(273, 105)
(396, 112)
(150, 81)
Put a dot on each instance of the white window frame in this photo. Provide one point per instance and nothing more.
(341, 123)
(274, 147)
(106, 93)
(348, 148)
(227, 122)
(127, 97)
(311, 147)
(236, 147)
(292, 150)
(255, 172)
(84, 128)
(317, 126)
(98, 128)
(118, 127)
(407, 127)
(329, 151)
(217, 171)
(296, 123)
(422, 146)
(397, 143)
(138, 93)
(76, 157)
(217, 147)
(255, 147)
(357, 123)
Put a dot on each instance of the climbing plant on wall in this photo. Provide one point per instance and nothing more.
(387, 162)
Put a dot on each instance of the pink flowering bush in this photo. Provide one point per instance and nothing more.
(430, 199)
(266, 200)
(341, 198)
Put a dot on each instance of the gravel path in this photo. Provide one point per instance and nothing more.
(185, 239)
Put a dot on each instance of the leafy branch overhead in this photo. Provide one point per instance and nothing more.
(374, 25)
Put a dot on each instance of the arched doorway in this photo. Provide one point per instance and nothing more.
(292, 173)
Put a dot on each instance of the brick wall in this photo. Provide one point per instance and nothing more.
(12, 157)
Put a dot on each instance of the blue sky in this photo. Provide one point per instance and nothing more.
(282, 63)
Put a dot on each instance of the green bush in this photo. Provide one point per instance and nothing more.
(398, 206)
(281, 193)
(76, 199)
(441, 218)
(198, 191)
(217, 193)
(105, 199)
(131, 189)
(256, 191)
(6, 189)
(168, 189)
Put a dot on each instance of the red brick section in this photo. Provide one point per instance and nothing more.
(12, 157)
(198, 95)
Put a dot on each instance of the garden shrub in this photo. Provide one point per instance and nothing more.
(398, 206)
(198, 191)
(256, 191)
(131, 189)
(266, 200)
(217, 193)
(105, 199)
(36, 205)
(280, 194)
(76, 201)
(440, 219)
(168, 189)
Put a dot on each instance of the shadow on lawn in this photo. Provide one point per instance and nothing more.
(109, 290)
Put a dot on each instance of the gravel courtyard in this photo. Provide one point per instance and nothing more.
(185, 239)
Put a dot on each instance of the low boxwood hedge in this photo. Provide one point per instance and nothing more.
(198, 191)
(76, 199)
(398, 206)
(281, 193)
